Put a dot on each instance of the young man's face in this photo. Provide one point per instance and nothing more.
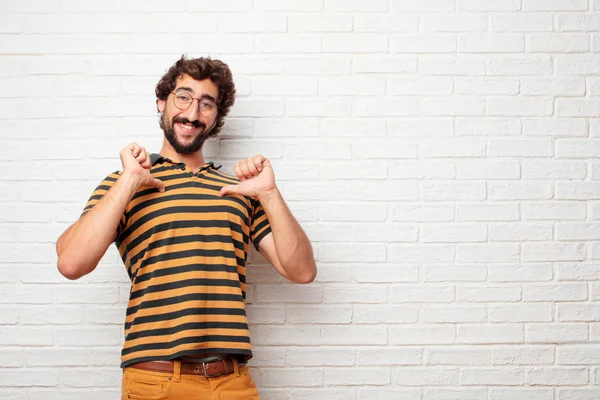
(186, 127)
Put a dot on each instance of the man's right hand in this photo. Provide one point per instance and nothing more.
(136, 164)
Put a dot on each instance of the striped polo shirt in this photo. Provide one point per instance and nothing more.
(185, 252)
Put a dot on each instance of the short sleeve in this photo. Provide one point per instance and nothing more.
(99, 193)
(259, 225)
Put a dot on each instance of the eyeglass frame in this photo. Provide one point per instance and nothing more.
(174, 93)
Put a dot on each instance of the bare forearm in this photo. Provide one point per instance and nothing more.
(82, 246)
(291, 243)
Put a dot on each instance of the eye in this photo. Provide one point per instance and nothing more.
(207, 105)
(183, 97)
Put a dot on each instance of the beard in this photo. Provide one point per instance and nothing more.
(171, 136)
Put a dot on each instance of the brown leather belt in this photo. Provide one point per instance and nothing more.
(209, 369)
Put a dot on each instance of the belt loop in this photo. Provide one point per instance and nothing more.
(236, 366)
(176, 370)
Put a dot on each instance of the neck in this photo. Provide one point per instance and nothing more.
(193, 160)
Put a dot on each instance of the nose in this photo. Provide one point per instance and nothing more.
(192, 111)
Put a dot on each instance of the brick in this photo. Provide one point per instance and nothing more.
(28, 378)
(468, 169)
(354, 86)
(377, 232)
(491, 43)
(577, 65)
(520, 273)
(454, 23)
(259, 23)
(577, 21)
(428, 5)
(578, 312)
(355, 5)
(577, 191)
(325, 357)
(522, 355)
(521, 22)
(531, 190)
(555, 5)
(521, 394)
(553, 251)
(553, 87)
(451, 273)
(492, 253)
(295, 5)
(547, 170)
(416, 293)
(288, 43)
(416, 86)
(354, 43)
(406, 376)
(281, 293)
(457, 106)
(280, 86)
(421, 169)
(390, 22)
(487, 212)
(578, 355)
(357, 376)
(558, 211)
(520, 65)
(376, 314)
(487, 376)
(521, 313)
(577, 271)
(520, 232)
(423, 334)
(449, 191)
(460, 65)
(488, 293)
(556, 376)
(569, 127)
(392, 356)
(354, 127)
(371, 63)
(355, 294)
(323, 22)
(457, 355)
(318, 315)
(487, 86)
(421, 253)
(423, 43)
(490, 334)
(454, 314)
(354, 335)
(453, 233)
(557, 43)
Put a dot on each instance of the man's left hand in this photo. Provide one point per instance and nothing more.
(256, 178)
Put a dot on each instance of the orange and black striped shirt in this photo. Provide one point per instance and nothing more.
(185, 251)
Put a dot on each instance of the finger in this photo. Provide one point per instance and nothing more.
(157, 183)
(229, 189)
(258, 162)
(252, 167)
(238, 172)
(244, 169)
(135, 149)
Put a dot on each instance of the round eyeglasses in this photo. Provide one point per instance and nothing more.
(183, 100)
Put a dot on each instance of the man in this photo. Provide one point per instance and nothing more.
(183, 229)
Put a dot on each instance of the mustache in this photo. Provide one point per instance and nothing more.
(195, 124)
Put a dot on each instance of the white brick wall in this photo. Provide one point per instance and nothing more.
(439, 153)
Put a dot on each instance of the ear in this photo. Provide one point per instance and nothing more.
(160, 105)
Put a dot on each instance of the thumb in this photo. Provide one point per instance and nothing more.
(157, 183)
(229, 189)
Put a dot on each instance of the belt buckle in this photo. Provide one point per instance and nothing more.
(206, 374)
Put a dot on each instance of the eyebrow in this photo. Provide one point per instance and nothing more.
(191, 91)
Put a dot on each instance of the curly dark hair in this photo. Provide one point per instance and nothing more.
(201, 68)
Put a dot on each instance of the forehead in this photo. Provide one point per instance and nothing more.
(198, 87)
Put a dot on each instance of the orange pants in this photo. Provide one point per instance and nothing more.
(149, 385)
